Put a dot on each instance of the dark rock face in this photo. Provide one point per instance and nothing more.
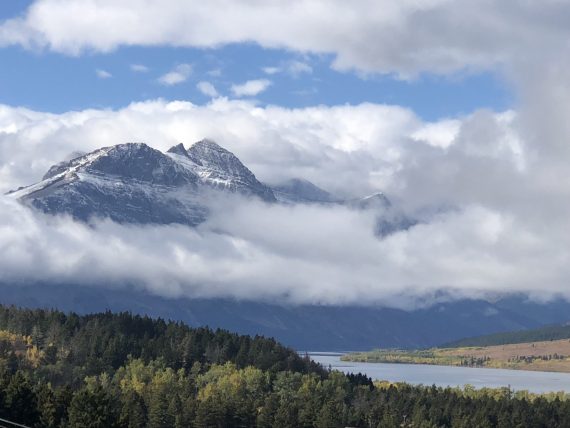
(119, 200)
(178, 150)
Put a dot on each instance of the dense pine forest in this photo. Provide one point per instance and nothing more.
(122, 370)
(549, 332)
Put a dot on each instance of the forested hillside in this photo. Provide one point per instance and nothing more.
(92, 344)
(120, 370)
(550, 332)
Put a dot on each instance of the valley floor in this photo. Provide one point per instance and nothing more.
(551, 356)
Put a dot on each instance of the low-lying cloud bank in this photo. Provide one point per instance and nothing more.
(493, 206)
(303, 254)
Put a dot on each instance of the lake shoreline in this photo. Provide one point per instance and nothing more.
(454, 365)
(544, 356)
(539, 382)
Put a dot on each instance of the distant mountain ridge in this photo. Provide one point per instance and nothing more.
(305, 327)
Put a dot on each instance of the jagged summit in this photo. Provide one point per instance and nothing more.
(130, 160)
(221, 169)
(206, 145)
(202, 150)
(134, 183)
(178, 149)
(209, 154)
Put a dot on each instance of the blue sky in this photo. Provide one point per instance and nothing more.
(56, 82)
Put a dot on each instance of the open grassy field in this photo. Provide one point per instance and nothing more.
(541, 356)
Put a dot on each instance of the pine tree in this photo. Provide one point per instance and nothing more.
(158, 410)
(93, 408)
(210, 413)
(330, 416)
(20, 401)
(133, 410)
(47, 407)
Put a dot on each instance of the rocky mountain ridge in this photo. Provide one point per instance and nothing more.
(135, 183)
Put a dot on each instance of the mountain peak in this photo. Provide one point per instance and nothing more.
(129, 161)
(209, 151)
(133, 182)
(178, 149)
(221, 169)
(141, 162)
(207, 143)
(300, 190)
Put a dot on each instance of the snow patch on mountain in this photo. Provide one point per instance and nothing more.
(220, 169)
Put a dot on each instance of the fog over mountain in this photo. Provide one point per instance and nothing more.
(476, 234)
(481, 198)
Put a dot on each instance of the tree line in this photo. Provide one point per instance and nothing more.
(126, 371)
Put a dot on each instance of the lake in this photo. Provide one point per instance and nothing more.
(450, 376)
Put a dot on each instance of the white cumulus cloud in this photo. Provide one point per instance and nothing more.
(271, 70)
(250, 88)
(103, 74)
(178, 74)
(139, 68)
(207, 89)
(490, 196)
(404, 37)
(292, 68)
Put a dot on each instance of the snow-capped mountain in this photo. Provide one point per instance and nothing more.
(134, 183)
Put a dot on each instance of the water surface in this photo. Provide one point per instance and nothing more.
(450, 376)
